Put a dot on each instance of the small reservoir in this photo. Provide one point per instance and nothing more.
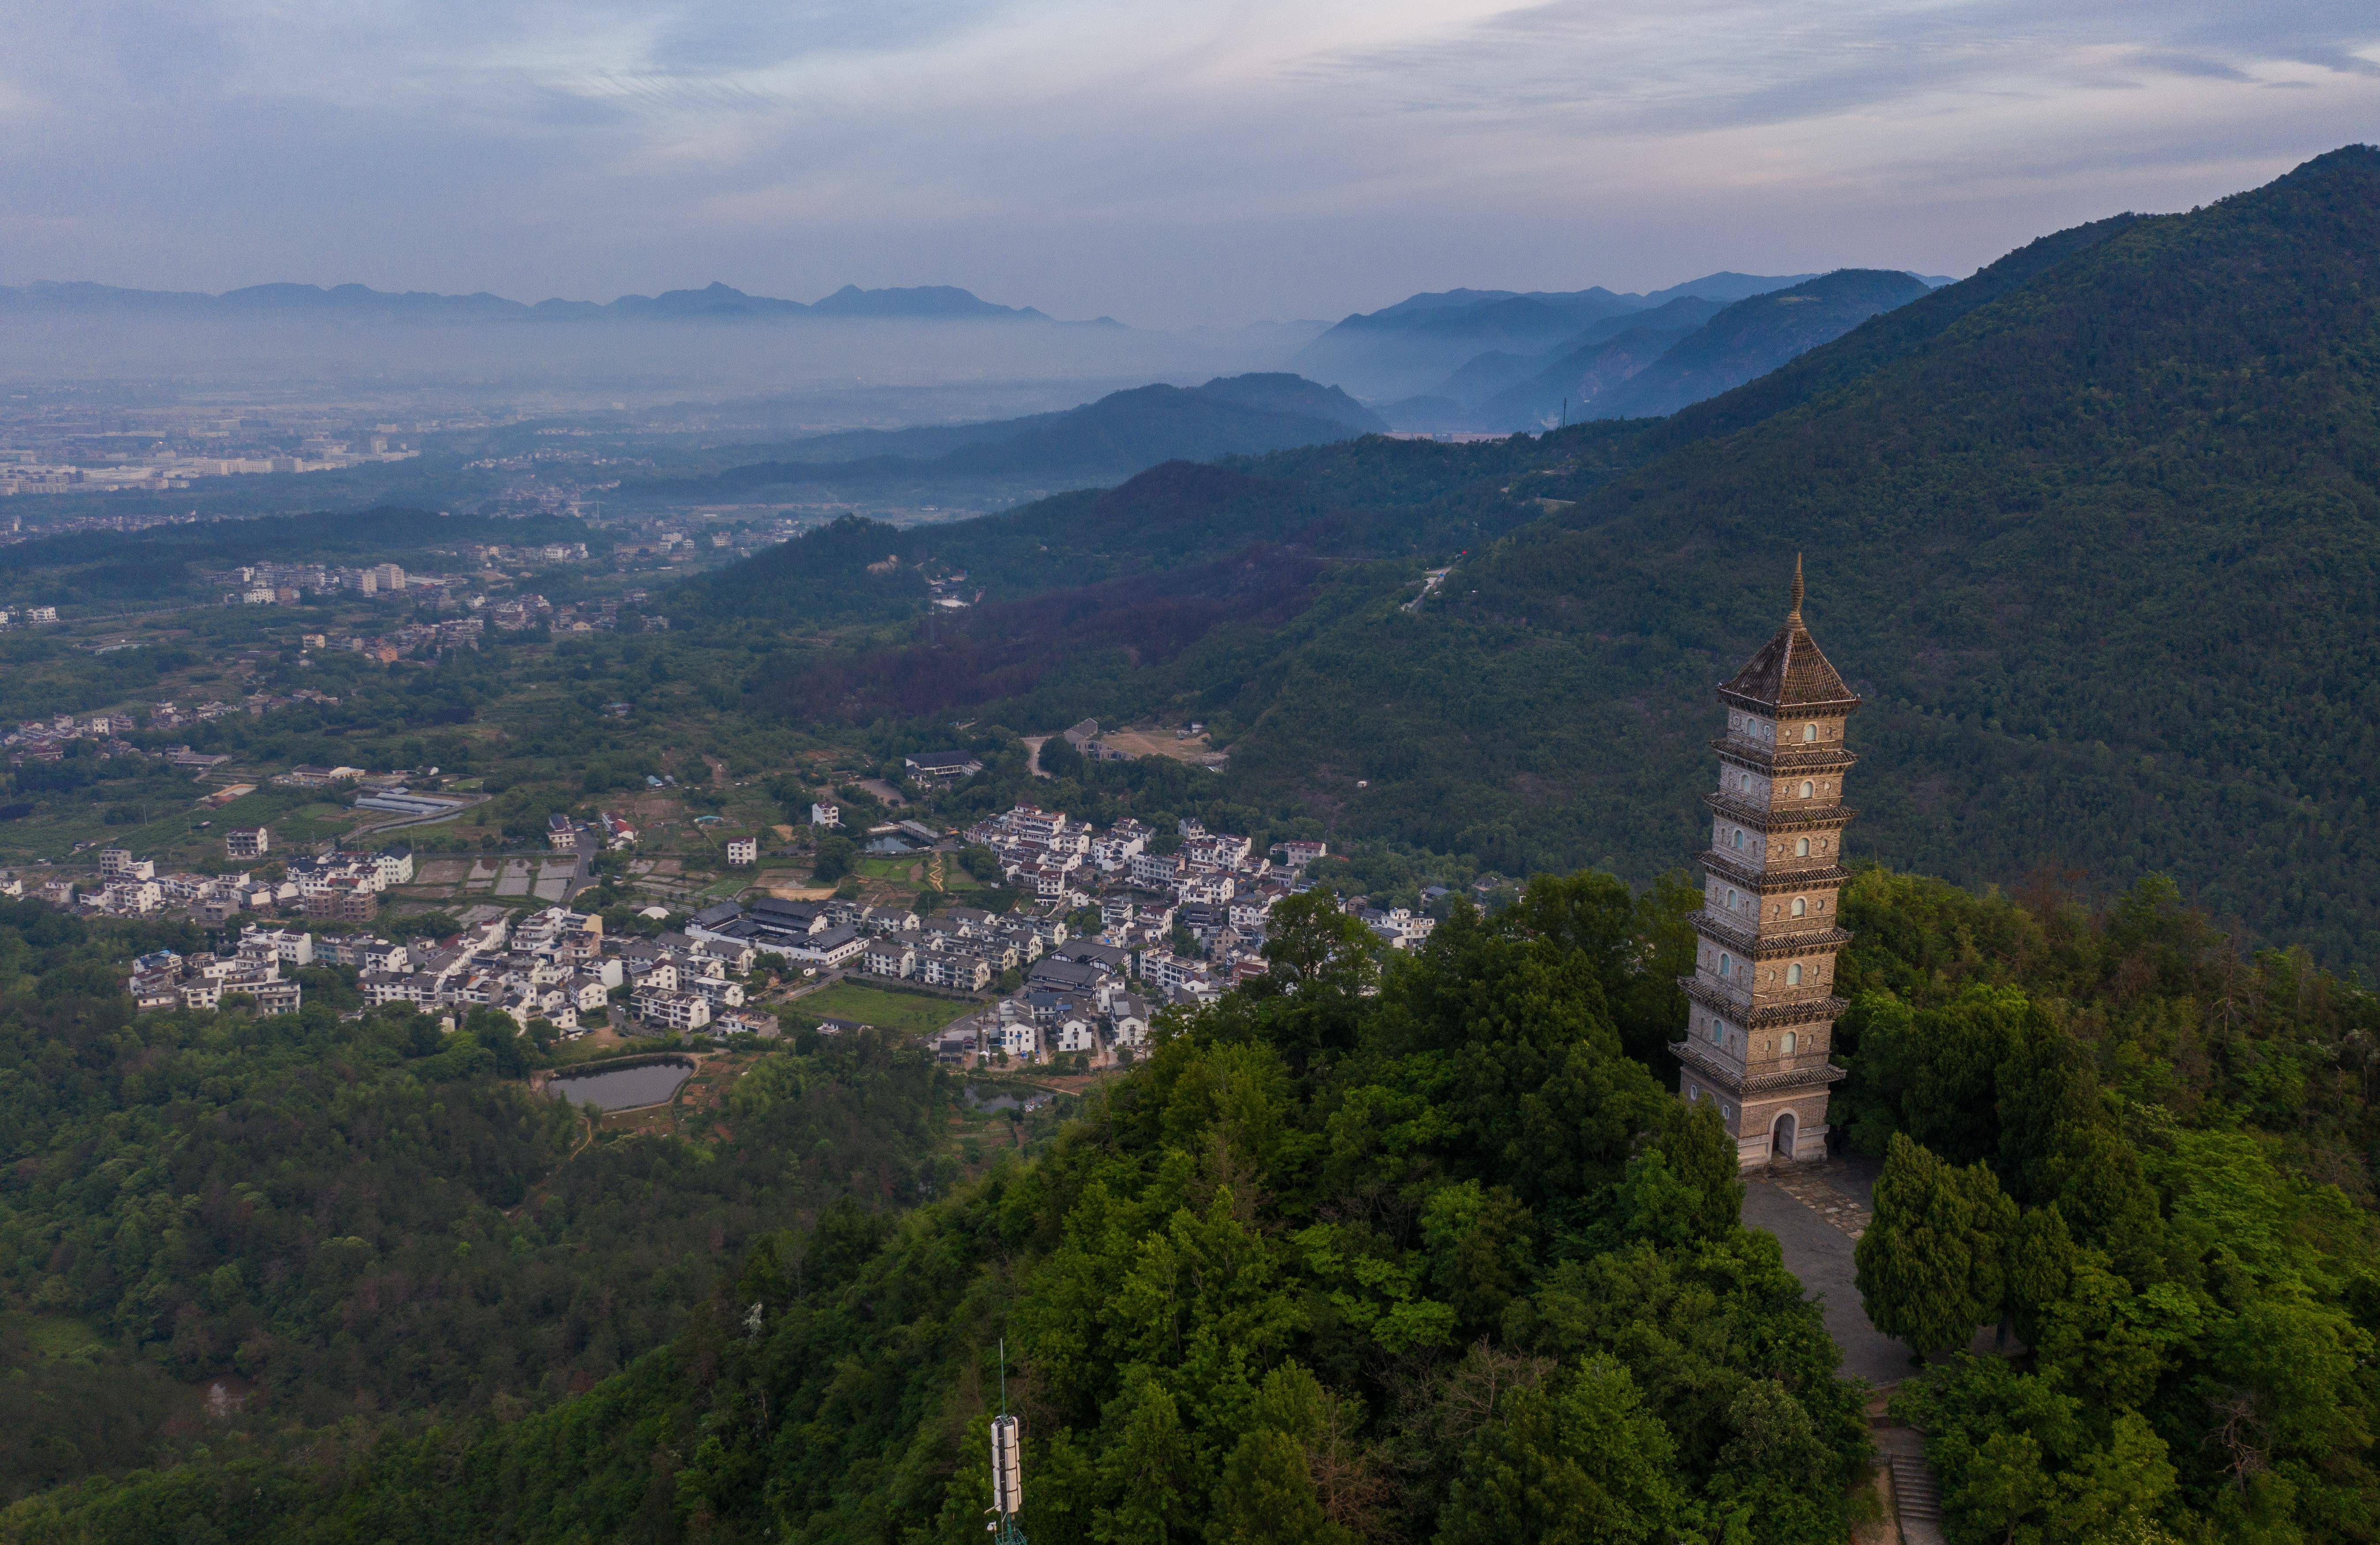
(623, 1089)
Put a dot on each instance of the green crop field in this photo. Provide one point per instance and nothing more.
(908, 1013)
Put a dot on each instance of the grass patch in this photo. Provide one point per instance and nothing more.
(887, 866)
(903, 1013)
(54, 1335)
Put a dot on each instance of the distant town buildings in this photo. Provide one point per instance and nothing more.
(942, 767)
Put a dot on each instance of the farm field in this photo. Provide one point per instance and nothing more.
(905, 1012)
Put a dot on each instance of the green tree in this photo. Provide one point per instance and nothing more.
(1580, 1463)
(1930, 1266)
(835, 853)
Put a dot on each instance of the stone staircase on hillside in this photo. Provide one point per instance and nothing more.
(1916, 1495)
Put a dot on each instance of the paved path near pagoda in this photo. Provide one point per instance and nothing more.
(1818, 1215)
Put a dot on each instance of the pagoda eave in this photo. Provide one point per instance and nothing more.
(1759, 756)
(1749, 704)
(1766, 819)
(1768, 946)
(1768, 881)
(1802, 1011)
(1730, 1079)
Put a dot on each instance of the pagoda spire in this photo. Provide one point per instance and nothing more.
(1794, 618)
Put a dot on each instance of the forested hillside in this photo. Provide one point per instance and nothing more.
(2095, 530)
(1447, 1263)
(1122, 433)
(340, 1220)
(2151, 1159)
(110, 565)
(1752, 338)
(1375, 498)
(2101, 552)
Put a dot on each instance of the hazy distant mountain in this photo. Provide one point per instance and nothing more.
(1120, 435)
(1580, 377)
(713, 302)
(1648, 363)
(1752, 338)
(928, 300)
(1501, 389)
(1414, 344)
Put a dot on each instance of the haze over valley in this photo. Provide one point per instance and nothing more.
(1362, 774)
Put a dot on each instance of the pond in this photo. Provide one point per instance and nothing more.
(623, 1089)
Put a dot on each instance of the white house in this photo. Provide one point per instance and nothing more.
(678, 1011)
(830, 946)
(291, 945)
(1129, 1017)
(743, 852)
(890, 957)
(823, 814)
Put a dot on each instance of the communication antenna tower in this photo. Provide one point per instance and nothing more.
(1007, 1469)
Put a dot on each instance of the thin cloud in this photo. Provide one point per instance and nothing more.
(1182, 161)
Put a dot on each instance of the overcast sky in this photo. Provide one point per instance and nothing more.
(1188, 162)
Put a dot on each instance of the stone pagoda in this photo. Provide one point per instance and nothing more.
(1761, 1006)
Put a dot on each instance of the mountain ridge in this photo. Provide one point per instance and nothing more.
(1131, 430)
(2100, 549)
(714, 301)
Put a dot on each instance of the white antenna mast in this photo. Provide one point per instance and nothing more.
(1007, 1467)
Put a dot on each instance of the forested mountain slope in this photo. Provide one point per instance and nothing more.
(2102, 553)
(1120, 435)
(1446, 1262)
(346, 1219)
(1390, 498)
(1752, 338)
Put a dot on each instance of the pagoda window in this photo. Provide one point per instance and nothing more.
(1726, 965)
(1801, 849)
(1793, 974)
(1808, 788)
(1800, 906)
(1788, 1047)
(1809, 732)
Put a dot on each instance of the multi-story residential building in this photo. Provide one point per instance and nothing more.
(676, 1010)
(343, 905)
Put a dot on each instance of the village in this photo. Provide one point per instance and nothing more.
(1104, 933)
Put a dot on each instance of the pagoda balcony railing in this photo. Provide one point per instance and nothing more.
(1824, 1007)
(1721, 1069)
(1815, 872)
(1799, 756)
(1779, 818)
(1720, 928)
